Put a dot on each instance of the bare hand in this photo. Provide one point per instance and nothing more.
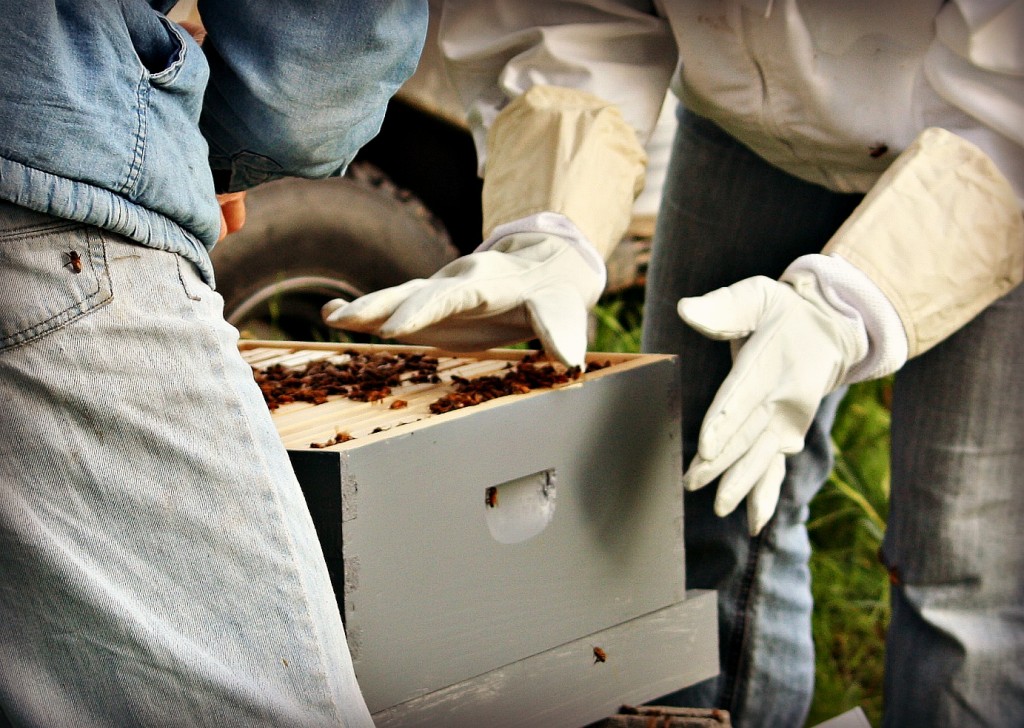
(232, 212)
(232, 204)
(196, 30)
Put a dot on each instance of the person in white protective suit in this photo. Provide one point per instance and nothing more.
(843, 202)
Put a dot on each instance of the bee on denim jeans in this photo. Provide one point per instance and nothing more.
(74, 260)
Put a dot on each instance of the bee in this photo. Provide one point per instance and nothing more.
(599, 655)
(399, 404)
(74, 260)
(491, 496)
(878, 150)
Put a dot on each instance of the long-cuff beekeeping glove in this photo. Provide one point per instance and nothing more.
(937, 239)
(562, 171)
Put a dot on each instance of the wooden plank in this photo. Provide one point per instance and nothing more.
(646, 658)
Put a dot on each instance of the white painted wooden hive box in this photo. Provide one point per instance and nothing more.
(516, 562)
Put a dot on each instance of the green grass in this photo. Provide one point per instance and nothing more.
(850, 586)
(851, 591)
(617, 322)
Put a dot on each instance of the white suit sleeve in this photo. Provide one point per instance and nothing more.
(621, 52)
(940, 236)
(976, 64)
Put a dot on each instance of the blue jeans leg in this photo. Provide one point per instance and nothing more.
(728, 215)
(158, 564)
(955, 541)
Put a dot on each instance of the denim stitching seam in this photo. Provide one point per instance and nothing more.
(740, 631)
(138, 150)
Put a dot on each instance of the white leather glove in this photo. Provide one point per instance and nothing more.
(790, 349)
(526, 285)
(937, 239)
(563, 169)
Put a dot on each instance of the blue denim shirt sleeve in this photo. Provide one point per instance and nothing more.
(298, 86)
(113, 116)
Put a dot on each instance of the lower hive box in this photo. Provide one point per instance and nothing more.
(517, 561)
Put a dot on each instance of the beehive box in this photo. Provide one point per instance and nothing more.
(517, 562)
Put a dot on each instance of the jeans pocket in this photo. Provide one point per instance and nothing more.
(52, 272)
(162, 48)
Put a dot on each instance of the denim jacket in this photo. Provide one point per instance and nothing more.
(113, 116)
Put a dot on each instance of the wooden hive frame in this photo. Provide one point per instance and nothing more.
(304, 424)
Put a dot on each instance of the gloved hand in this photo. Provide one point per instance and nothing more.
(526, 285)
(790, 348)
(936, 240)
(562, 170)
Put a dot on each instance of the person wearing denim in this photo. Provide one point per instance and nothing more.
(159, 565)
(843, 202)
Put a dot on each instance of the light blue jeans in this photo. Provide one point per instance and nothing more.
(955, 541)
(158, 564)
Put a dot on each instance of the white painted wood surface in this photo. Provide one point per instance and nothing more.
(563, 687)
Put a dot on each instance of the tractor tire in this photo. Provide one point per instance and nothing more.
(305, 242)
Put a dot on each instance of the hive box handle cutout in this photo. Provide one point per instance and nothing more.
(520, 509)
